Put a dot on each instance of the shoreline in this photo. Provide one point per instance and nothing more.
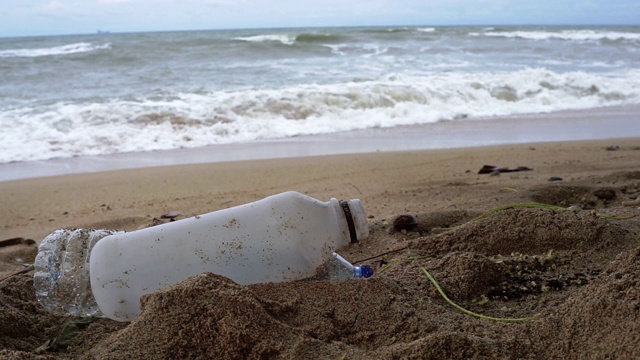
(388, 183)
(574, 125)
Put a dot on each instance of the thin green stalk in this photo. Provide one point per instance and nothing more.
(386, 267)
(510, 206)
(534, 205)
(517, 206)
(435, 283)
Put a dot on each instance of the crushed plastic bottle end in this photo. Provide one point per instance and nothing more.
(61, 277)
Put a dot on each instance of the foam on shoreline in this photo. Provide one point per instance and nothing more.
(592, 124)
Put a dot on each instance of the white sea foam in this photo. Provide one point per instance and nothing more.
(74, 48)
(190, 89)
(283, 38)
(578, 35)
(336, 49)
(198, 119)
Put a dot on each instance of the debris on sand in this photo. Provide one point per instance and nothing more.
(490, 169)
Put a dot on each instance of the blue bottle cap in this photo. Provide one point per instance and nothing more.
(367, 271)
(363, 271)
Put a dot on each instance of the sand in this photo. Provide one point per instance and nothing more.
(574, 268)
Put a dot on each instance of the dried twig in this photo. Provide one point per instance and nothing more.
(23, 271)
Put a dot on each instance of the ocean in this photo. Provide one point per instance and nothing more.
(111, 93)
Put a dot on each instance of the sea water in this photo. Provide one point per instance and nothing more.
(107, 93)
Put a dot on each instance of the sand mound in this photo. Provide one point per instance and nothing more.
(399, 313)
(532, 231)
(25, 324)
(443, 219)
(209, 316)
(601, 320)
(611, 190)
(467, 275)
(222, 320)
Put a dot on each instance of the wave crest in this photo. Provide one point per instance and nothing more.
(283, 38)
(68, 49)
(201, 119)
(291, 39)
(575, 35)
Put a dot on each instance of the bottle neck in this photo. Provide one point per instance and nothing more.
(348, 216)
(353, 219)
(361, 271)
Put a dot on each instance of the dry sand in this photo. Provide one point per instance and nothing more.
(576, 271)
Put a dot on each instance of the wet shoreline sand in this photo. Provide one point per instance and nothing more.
(32, 208)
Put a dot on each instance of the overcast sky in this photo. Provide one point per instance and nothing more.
(50, 17)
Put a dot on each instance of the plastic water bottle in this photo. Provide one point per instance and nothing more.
(280, 238)
(341, 269)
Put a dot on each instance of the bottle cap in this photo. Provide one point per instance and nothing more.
(364, 271)
(367, 271)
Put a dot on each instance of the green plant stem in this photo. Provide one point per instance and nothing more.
(534, 205)
(435, 283)
(517, 206)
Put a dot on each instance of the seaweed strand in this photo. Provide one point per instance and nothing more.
(485, 317)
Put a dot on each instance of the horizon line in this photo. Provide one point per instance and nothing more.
(107, 31)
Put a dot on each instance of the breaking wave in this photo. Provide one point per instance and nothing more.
(81, 47)
(67, 129)
(575, 35)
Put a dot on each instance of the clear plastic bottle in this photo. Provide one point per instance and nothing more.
(283, 237)
(340, 269)
(62, 272)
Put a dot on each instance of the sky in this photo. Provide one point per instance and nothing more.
(55, 17)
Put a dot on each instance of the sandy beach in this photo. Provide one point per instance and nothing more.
(576, 272)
